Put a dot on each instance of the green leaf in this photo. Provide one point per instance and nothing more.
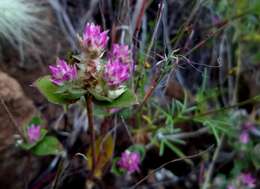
(161, 152)
(53, 92)
(128, 98)
(138, 148)
(48, 146)
(115, 168)
(36, 121)
(177, 151)
(99, 97)
(255, 156)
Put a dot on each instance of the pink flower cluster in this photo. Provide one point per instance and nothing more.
(118, 68)
(248, 180)
(34, 133)
(93, 38)
(121, 53)
(129, 161)
(116, 71)
(244, 135)
(62, 72)
(244, 179)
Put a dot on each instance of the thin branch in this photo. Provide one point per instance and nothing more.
(161, 9)
(169, 162)
(11, 117)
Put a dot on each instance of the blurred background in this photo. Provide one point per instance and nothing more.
(217, 56)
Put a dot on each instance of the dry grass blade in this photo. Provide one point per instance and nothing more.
(19, 22)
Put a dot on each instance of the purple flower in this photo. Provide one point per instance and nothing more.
(62, 72)
(247, 126)
(230, 186)
(129, 161)
(244, 137)
(116, 73)
(248, 180)
(93, 38)
(121, 53)
(34, 133)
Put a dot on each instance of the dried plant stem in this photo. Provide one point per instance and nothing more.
(206, 183)
(92, 130)
(169, 162)
(148, 93)
(11, 117)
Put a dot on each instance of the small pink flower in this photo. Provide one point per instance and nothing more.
(116, 73)
(130, 161)
(34, 133)
(244, 137)
(231, 187)
(121, 53)
(248, 180)
(93, 38)
(247, 126)
(62, 72)
(113, 110)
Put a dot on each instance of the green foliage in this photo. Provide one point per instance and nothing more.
(29, 146)
(255, 155)
(48, 146)
(45, 145)
(115, 168)
(128, 98)
(57, 94)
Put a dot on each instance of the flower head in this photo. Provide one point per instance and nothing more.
(248, 180)
(121, 53)
(34, 133)
(230, 186)
(62, 72)
(244, 137)
(93, 39)
(130, 161)
(247, 126)
(116, 73)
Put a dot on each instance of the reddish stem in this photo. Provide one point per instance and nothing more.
(92, 130)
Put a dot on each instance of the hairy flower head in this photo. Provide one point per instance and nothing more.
(94, 40)
(121, 53)
(62, 72)
(248, 180)
(34, 133)
(130, 161)
(116, 73)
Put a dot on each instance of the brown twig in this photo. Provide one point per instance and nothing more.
(11, 117)
(92, 130)
(169, 162)
(148, 93)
